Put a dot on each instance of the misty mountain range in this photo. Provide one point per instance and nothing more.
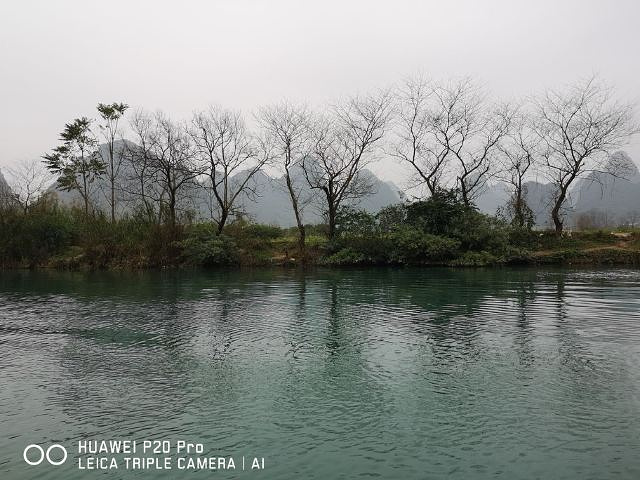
(5, 190)
(272, 204)
(596, 201)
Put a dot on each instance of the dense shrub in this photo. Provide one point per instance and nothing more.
(372, 248)
(392, 217)
(347, 256)
(350, 221)
(442, 214)
(254, 230)
(34, 236)
(202, 247)
(411, 245)
(445, 214)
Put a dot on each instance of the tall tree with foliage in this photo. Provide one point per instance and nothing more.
(76, 162)
(111, 115)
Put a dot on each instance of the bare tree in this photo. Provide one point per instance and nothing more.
(469, 130)
(519, 158)
(342, 145)
(169, 158)
(579, 127)
(416, 139)
(111, 115)
(29, 180)
(225, 148)
(139, 184)
(286, 127)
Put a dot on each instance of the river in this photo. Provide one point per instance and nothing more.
(388, 373)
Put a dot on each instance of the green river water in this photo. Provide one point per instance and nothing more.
(384, 373)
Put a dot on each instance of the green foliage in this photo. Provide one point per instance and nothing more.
(347, 256)
(392, 217)
(76, 162)
(477, 231)
(437, 230)
(445, 214)
(517, 213)
(202, 247)
(262, 232)
(33, 237)
(350, 221)
(46, 235)
(410, 245)
(441, 214)
(522, 237)
(373, 248)
(112, 111)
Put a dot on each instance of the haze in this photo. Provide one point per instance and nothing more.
(59, 59)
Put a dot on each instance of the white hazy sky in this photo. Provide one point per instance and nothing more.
(59, 58)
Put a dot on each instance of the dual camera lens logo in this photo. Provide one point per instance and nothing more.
(43, 454)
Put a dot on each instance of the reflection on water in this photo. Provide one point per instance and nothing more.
(394, 373)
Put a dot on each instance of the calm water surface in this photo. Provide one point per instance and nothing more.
(436, 373)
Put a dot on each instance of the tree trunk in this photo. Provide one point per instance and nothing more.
(465, 194)
(112, 178)
(301, 242)
(299, 222)
(113, 199)
(555, 212)
(223, 220)
(85, 195)
(519, 208)
(172, 212)
(332, 221)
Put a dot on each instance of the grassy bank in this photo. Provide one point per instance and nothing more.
(432, 232)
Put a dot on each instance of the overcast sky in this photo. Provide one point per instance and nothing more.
(58, 59)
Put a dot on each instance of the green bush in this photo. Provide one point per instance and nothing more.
(412, 246)
(347, 256)
(34, 236)
(392, 217)
(440, 214)
(351, 221)
(445, 214)
(373, 248)
(202, 247)
(262, 232)
(479, 232)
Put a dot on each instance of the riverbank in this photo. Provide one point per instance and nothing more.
(264, 246)
(439, 231)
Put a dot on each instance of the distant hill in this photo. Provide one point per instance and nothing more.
(6, 195)
(538, 196)
(604, 200)
(273, 206)
(597, 201)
